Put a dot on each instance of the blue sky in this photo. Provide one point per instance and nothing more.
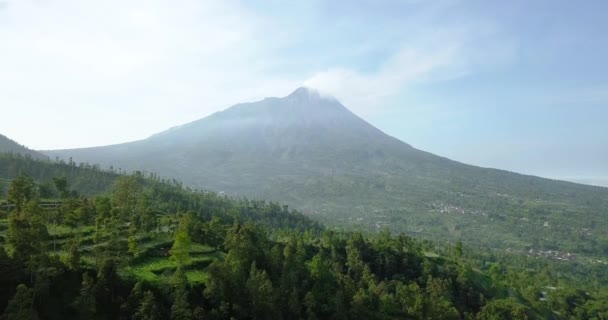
(517, 85)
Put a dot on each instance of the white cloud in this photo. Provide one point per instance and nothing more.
(429, 55)
(82, 73)
(362, 91)
(136, 67)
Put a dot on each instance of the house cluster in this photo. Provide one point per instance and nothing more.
(451, 209)
(552, 254)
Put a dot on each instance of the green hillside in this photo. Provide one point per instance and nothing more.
(9, 146)
(84, 178)
(309, 151)
(151, 249)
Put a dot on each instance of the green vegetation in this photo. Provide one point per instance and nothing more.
(150, 249)
(315, 155)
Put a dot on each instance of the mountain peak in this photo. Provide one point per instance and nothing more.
(308, 94)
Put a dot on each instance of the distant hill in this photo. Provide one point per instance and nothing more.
(86, 179)
(310, 151)
(9, 146)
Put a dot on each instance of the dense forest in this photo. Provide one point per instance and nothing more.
(80, 243)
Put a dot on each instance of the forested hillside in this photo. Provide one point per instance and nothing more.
(9, 146)
(84, 178)
(150, 249)
(310, 151)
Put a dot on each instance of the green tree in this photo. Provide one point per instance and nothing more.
(261, 294)
(180, 251)
(354, 256)
(439, 302)
(61, 183)
(503, 309)
(594, 308)
(294, 305)
(85, 303)
(125, 195)
(411, 298)
(214, 232)
(21, 191)
(103, 208)
(180, 310)
(129, 307)
(311, 306)
(27, 233)
(45, 190)
(20, 307)
(458, 250)
(340, 310)
(73, 258)
(147, 310)
(8, 273)
(133, 242)
(104, 289)
(566, 301)
(43, 273)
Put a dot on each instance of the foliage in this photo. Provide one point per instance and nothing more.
(202, 255)
(20, 306)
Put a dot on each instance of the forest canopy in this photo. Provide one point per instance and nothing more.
(91, 244)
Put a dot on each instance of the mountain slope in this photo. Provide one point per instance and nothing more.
(9, 146)
(311, 152)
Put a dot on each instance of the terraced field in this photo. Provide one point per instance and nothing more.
(161, 268)
(154, 264)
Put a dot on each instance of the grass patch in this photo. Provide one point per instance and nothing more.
(197, 276)
(63, 231)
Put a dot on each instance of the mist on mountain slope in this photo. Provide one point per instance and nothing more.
(311, 152)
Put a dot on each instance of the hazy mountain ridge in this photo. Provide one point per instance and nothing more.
(8, 145)
(311, 152)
